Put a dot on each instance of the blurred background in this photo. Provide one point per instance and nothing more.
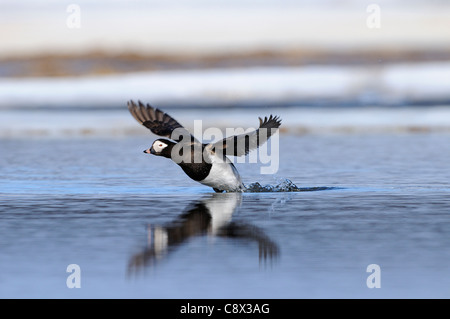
(69, 67)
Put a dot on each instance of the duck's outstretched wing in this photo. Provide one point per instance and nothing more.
(158, 122)
(242, 144)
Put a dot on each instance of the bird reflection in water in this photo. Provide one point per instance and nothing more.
(209, 216)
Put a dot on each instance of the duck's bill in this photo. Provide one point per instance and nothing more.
(150, 151)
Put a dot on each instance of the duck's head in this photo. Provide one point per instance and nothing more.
(160, 147)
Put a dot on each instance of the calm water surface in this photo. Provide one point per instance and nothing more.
(139, 228)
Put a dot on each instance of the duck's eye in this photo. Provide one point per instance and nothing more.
(160, 145)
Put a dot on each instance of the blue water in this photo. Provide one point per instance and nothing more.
(139, 228)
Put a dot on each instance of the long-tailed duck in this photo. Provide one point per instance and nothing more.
(205, 163)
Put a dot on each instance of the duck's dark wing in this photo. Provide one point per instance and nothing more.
(158, 122)
(242, 144)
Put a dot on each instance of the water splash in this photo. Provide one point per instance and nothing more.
(284, 186)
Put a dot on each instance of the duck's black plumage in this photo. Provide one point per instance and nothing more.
(242, 144)
(160, 123)
(196, 171)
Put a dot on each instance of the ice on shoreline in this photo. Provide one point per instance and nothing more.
(393, 84)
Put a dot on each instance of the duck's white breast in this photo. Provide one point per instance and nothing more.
(223, 175)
